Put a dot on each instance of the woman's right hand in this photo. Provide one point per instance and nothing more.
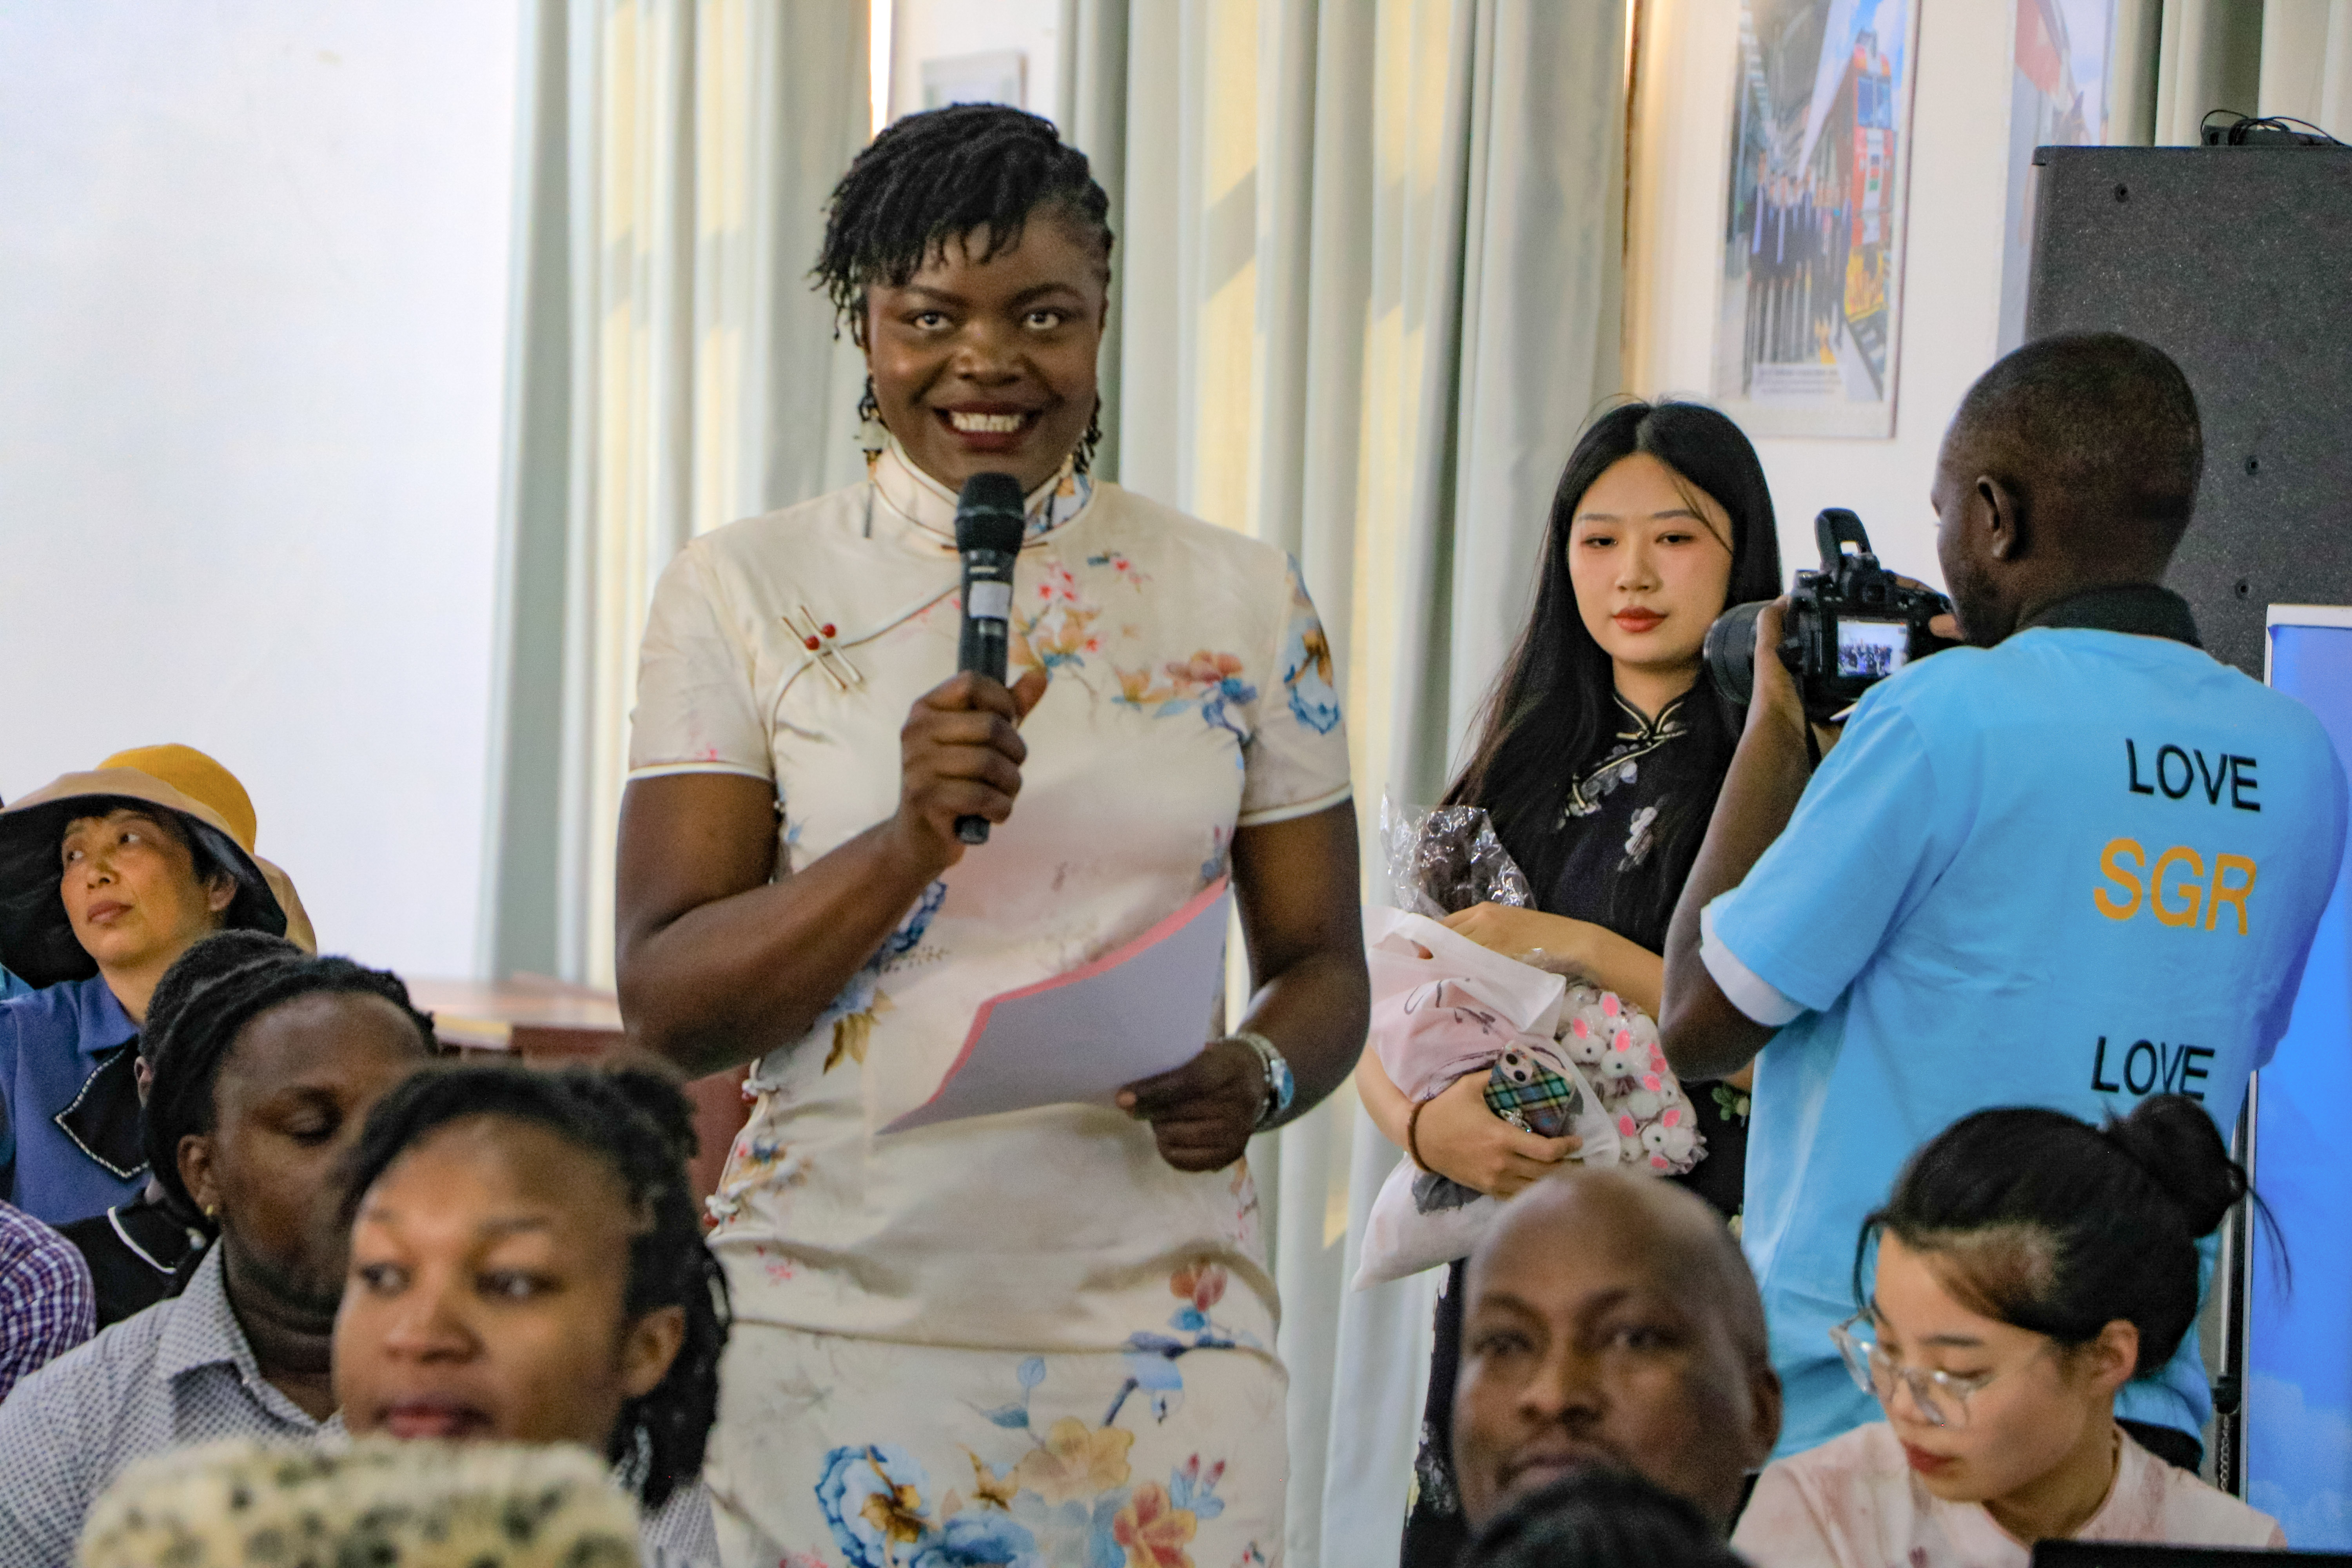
(1461, 1137)
(959, 755)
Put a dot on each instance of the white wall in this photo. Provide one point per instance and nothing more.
(253, 281)
(1951, 297)
(934, 29)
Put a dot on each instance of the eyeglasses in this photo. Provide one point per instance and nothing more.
(1941, 1399)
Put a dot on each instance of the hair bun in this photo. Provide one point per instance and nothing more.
(2171, 1138)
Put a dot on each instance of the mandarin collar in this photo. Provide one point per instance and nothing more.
(1636, 726)
(1638, 736)
(931, 506)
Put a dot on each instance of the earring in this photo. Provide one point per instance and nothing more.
(872, 434)
(212, 1210)
(1084, 459)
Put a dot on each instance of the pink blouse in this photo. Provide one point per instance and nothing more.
(1854, 1502)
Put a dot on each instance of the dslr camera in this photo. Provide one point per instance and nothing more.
(1850, 625)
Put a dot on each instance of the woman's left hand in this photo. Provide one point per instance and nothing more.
(1204, 1112)
(1516, 932)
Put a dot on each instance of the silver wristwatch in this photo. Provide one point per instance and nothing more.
(1281, 1089)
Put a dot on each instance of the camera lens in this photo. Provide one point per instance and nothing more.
(1730, 652)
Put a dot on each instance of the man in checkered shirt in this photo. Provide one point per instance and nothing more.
(47, 1304)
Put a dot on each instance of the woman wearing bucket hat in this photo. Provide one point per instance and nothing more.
(106, 877)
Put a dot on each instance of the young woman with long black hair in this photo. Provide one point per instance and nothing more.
(1599, 758)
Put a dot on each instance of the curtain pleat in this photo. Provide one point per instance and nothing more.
(2172, 62)
(1369, 289)
(2306, 62)
(2208, 57)
(677, 159)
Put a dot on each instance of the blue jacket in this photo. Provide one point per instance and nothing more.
(66, 1059)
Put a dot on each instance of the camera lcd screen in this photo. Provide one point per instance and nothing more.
(1872, 651)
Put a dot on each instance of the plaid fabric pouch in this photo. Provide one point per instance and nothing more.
(1524, 1092)
(1531, 1097)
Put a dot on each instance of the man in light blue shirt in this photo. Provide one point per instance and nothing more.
(2076, 864)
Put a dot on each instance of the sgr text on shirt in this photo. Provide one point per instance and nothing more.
(2175, 889)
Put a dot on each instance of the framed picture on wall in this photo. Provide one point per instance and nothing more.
(1809, 330)
(2059, 99)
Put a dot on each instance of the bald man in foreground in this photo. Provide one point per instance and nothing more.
(1611, 1321)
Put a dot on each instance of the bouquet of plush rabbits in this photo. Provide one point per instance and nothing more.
(1561, 1056)
(1616, 1045)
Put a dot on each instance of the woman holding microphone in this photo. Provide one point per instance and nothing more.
(1049, 1332)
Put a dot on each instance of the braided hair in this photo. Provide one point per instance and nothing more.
(1604, 1518)
(638, 1123)
(941, 176)
(199, 967)
(203, 1013)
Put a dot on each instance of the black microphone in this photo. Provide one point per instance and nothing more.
(989, 526)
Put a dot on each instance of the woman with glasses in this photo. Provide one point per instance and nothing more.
(2028, 1265)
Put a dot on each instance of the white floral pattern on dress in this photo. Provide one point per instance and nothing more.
(1192, 695)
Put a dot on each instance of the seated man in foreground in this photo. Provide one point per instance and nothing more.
(1611, 1323)
(2076, 864)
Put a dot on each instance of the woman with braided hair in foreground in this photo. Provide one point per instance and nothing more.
(260, 1083)
(1043, 1336)
(527, 1267)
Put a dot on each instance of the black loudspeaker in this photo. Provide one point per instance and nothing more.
(2237, 261)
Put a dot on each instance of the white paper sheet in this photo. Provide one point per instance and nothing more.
(1079, 1037)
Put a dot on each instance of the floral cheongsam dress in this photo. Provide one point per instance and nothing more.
(1020, 1339)
(1614, 874)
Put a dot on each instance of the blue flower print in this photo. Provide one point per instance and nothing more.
(1210, 681)
(1068, 1532)
(1189, 1488)
(975, 1539)
(1306, 669)
(911, 930)
(851, 1013)
(1032, 1372)
(1220, 857)
(872, 1499)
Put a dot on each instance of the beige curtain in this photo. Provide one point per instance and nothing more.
(2176, 61)
(2209, 57)
(1369, 280)
(671, 372)
(2306, 67)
